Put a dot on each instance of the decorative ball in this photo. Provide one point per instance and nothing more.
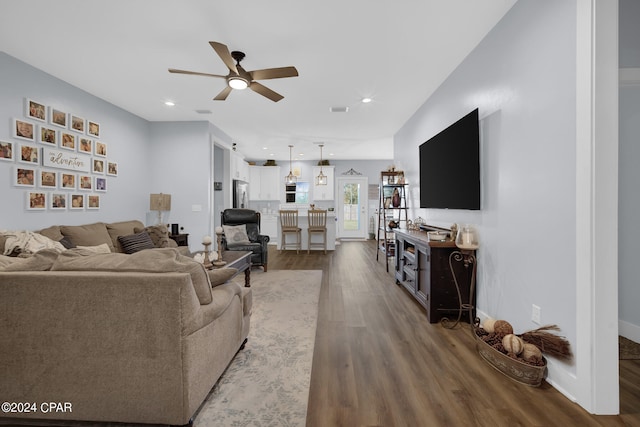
(502, 327)
(489, 325)
(531, 353)
(513, 344)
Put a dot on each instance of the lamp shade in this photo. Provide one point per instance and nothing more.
(160, 202)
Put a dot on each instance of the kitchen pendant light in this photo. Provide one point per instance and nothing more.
(321, 179)
(291, 178)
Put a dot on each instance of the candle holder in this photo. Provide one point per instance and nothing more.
(219, 262)
(207, 262)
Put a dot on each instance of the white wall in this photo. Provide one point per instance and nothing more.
(629, 173)
(126, 137)
(522, 79)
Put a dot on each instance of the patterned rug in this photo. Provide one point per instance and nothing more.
(628, 350)
(267, 383)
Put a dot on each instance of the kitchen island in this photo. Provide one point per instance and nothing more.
(303, 223)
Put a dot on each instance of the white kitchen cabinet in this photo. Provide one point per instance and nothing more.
(238, 167)
(324, 192)
(264, 183)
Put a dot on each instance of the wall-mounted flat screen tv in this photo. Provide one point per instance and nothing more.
(450, 166)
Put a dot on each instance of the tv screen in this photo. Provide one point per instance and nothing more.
(450, 166)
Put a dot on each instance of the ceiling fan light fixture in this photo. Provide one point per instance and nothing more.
(237, 83)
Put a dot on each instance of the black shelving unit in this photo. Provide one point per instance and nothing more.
(392, 207)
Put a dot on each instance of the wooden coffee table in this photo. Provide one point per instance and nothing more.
(240, 260)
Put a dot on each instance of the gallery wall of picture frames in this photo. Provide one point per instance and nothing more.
(59, 159)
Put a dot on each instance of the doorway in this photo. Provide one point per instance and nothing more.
(352, 207)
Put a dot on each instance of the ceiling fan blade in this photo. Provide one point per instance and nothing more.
(173, 70)
(265, 91)
(223, 52)
(274, 73)
(223, 95)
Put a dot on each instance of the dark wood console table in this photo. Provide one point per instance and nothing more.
(422, 267)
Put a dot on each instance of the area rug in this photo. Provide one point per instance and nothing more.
(628, 350)
(267, 383)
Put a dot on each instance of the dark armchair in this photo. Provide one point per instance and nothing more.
(257, 242)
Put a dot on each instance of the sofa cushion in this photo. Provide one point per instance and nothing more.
(52, 232)
(159, 235)
(159, 260)
(236, 234)
(122, 228)
(88, 235)
(135, 242)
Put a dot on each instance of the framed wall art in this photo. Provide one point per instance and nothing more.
(93, 129)
(101, 149)
(24, 177)
(58, 201)
(7, 150)
(48, 179)
(36, 200)
(85, 145)
(47, 135)
(35, 110)
(68, 180)
(100, 184)
(97, 166)
(77, 201)
(68, 141)
(57, 117)
(85, 182)
(24, 130)
(77, 123)
(29, 154)
(93, 201)
(112, 168)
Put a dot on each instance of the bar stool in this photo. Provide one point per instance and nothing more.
(288, 225)
(318, 225)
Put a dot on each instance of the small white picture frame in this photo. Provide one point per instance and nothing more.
(85, 182)
(29, 154)
(7, 151)
(100, 184)
(24, 176)
(85, 145)
(97, 166)
(100, 149)
(47, 135)
(93, 129)
(35, 110)
(57, 117)
(24, 130)
(93, 201)
(77, 202)
(68, 181)
(36, 200)
(77, 123)
(112, 168)
(58, 201)
(68, 141)
(47, 179)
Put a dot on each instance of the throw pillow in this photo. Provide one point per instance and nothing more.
(158, 233)
(135, 242)
(236, 234)
(67, 243)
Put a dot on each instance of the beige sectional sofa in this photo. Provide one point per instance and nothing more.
(138, 338)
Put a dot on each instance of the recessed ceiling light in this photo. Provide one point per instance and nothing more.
(169, 103)
(265, 148)
(366, 100)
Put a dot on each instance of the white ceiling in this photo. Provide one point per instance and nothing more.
(396, 52)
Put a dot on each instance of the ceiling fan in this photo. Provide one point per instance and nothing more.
(240, 79)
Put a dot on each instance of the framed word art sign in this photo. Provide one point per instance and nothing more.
(54, 158)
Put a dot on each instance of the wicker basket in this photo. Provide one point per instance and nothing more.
(521, 372)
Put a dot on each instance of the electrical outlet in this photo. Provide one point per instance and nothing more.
(535, 314)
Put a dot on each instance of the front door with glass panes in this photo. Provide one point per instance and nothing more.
(351, 212)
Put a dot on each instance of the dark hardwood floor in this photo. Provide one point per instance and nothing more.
(378, 362)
